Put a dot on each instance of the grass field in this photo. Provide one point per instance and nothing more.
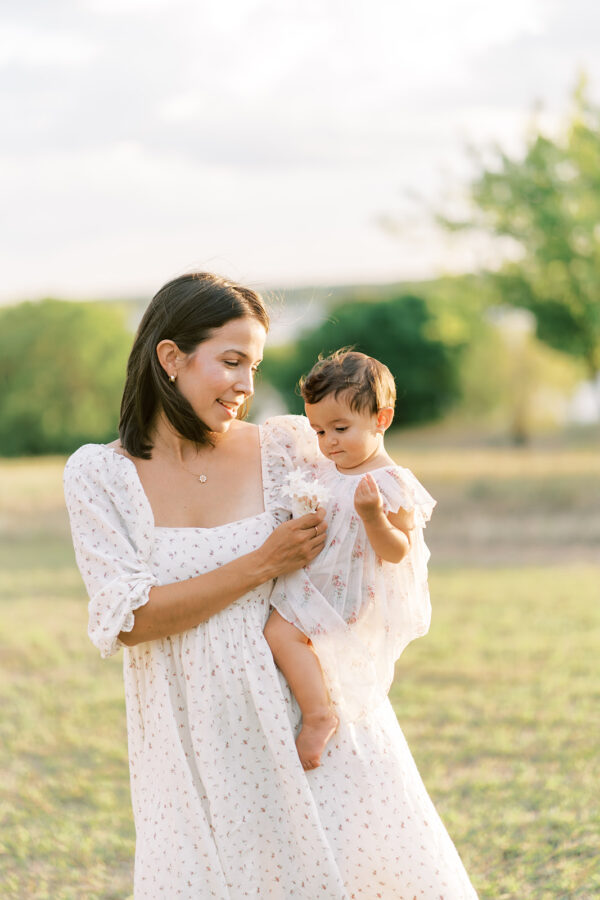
(499, 703)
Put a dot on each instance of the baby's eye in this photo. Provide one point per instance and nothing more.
(319, 433)
(342, 428)
(232, 363)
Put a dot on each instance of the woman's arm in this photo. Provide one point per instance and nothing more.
(173, 608)
(389, 535)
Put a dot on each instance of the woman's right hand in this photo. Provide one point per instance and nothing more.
(293, 544)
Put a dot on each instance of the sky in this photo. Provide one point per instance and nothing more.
(266, 141)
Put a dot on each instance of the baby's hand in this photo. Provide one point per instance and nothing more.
(367, 499)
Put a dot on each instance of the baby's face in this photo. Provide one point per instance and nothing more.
(346, 437)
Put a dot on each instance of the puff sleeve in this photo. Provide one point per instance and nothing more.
(287, 443)
(112, 526)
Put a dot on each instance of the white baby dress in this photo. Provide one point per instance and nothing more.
(359, 611)
(222, 806)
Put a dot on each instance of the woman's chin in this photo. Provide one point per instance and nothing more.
(217, 422)
(220, 427)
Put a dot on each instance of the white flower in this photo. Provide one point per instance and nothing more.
(306, 493)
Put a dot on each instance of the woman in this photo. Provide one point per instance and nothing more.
(179, 532)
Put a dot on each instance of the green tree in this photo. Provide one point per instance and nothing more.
(399, 332)
(62, 367)
(510, 379)
(547, 202)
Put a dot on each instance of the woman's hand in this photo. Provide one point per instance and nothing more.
(293, 544)
(175, 607)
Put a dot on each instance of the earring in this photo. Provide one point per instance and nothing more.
(172, 377)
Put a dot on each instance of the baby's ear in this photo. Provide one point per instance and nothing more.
(385, 417)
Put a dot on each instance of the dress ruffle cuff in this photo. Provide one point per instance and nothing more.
(111, 611)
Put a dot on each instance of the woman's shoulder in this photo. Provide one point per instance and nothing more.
(293, 431)
(94, 454)
(289, 425)
(103, 463)
(99, 480)
(290, 437)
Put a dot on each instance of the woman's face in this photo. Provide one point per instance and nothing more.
(218, 376)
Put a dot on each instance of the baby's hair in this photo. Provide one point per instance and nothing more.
(366, 383)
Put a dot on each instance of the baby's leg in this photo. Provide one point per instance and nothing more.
(296, 658)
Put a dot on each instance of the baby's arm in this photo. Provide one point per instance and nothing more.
(389, 535)
(294, 655)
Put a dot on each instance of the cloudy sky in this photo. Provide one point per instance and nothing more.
(263, 140)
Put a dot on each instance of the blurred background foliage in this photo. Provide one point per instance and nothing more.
(503, 348)
(62, 366)
(545, 207)
(396, 331)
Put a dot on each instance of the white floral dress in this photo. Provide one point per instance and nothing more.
(222, 806)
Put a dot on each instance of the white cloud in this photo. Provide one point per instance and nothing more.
(22, 46)
(157, 135)
(124, 7)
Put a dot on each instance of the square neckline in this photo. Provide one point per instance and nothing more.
(172, 528)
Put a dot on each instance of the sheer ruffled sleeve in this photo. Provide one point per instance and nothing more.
(287, 443)
(111, 524)
(400, 488)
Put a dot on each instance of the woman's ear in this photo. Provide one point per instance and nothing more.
(170, 357)
(385, 417)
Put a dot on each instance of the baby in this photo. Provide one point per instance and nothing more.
(354, 601)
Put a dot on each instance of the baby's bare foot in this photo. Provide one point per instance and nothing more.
(316, 730)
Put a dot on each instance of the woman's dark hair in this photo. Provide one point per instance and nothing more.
(364, 382)
(185, 311)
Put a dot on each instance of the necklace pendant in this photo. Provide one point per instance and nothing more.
(202, 479)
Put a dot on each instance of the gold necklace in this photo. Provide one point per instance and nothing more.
(201, 478)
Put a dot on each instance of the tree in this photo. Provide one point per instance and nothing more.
(510, 379)
(547, 203)
(399, 332)
(62, 367)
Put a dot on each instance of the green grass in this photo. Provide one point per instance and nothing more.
(499, 704)
(500, 707)
(67, 831)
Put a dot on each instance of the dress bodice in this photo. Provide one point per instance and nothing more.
(182, 553)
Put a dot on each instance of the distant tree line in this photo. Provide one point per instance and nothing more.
(62, 367)
(62, 364)
(396, 331)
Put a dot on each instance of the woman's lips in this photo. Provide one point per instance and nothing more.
(231, 408)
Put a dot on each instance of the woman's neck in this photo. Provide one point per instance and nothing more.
(168, 442)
